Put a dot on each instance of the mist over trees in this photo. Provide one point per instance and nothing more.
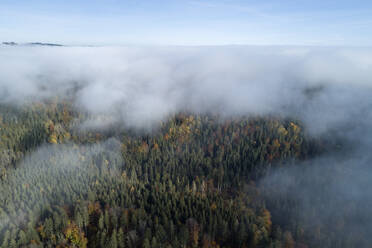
(185, 147)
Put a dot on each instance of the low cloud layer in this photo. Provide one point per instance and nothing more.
(41, 173)
(329, 198)
(140, 85)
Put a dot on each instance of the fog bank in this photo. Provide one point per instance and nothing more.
(142, 85)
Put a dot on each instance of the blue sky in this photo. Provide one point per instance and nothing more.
(188, 22)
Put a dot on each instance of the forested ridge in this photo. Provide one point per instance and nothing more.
(191, 182)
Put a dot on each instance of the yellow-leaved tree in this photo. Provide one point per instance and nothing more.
(75, 236)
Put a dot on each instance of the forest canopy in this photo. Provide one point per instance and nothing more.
(185, 147)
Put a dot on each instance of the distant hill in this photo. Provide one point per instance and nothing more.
(42, 44)
(31, 44)
(10, 43)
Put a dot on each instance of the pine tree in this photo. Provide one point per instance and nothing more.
(101, 222)
(146, 243)
(121, 238)
(113, 240)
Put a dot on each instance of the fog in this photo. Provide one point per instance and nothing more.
(328, 197)
(142, 85)
(42, 172)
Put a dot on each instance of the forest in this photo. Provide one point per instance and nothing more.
(193, 181)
